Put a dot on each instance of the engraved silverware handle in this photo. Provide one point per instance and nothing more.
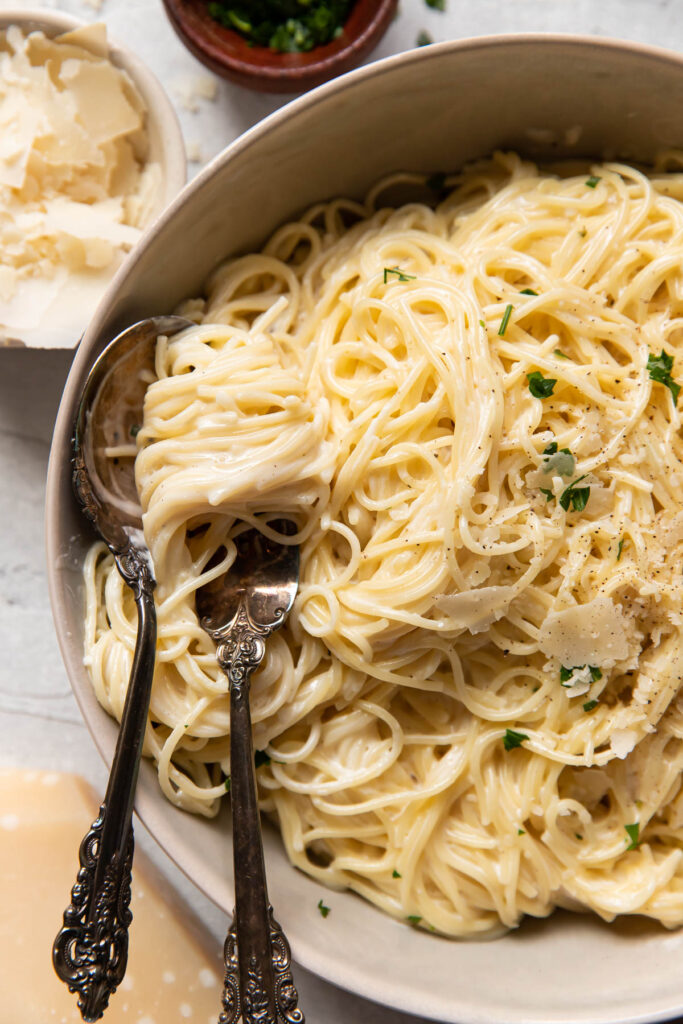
(90, 951)
(258, 977)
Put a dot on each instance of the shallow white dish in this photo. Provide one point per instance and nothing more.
(63, 327)
(426, 110)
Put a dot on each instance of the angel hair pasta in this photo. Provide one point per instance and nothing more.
(471, 414)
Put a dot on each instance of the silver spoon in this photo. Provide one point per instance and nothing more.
(239, 610)
(90, 951)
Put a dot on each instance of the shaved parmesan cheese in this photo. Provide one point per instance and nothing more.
(623, 741)
(588, 634)
(75, 186)
(475, 609)
(579, 682)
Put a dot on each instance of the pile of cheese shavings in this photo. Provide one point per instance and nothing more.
(75, 184)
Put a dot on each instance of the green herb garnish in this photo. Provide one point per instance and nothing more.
(575, 496)
(548, 493)
(620, 548)
(482, 323)
(135, 430)
(288, 26)
(659, 367)
(590, 704)
(521, 832)
(261, 758)
(226, 784)
(560, 354)
(513, 739)
(437, 5)
(592, 181)
(504, 322)
(395, 874)
(577, 836)
(540, 386)
(323, 909)
(423, 38)
(397, 272)
(633, 835)
(413, 918)
(528, 291)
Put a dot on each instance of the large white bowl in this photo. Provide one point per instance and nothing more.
(425, 110)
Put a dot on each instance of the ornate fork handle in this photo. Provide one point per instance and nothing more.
(258, 977)
(90, 951)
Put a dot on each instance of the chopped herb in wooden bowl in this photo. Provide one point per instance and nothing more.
(287, 26)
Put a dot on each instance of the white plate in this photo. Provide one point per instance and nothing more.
(426, 110)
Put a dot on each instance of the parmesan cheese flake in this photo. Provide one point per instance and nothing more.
(589, 634)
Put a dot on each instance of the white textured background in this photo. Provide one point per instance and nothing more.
(40, 724)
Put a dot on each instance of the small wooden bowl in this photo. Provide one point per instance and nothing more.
(228, 54)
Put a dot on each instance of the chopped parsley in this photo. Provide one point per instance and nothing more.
(413, 918)
(620, 548)
(590, 704)
(633, 835)
(397, 272)
(659, 367)
(287, 26)
(396, 874)
(437, 5)
(482, 323)
(226, 784)
(548, 493)
(540, 386)
(521, 832)
(135, 430)
(513, 739)
(576, 497)
(506, 319)
(578, 836)
(592, 181)
(261, 758)
(423, 38)
(560, 354)
(323, 909)
(528, 291)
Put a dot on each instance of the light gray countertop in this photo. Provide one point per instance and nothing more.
(39, 720)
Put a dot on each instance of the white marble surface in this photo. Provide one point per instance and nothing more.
(39, 722)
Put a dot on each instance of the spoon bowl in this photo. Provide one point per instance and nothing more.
(107, 421)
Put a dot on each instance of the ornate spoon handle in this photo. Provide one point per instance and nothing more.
(90, 951)
(258, 977)
(286, 996)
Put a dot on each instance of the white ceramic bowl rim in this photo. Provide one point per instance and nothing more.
(311, 953)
